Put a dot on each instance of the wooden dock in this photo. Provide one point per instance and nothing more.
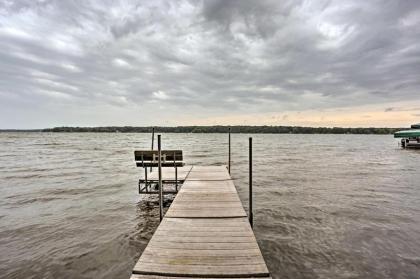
(204, 234)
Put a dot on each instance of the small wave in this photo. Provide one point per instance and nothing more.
(71, 191)
(415, 260)
(33, 200)
(23, 176)
(47, 144)
(199, 156)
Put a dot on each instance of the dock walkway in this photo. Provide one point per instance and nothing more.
(204, 234)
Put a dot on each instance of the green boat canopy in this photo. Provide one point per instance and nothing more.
(415, 126)
(407, 134)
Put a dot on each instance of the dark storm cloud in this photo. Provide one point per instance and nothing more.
(212, 56)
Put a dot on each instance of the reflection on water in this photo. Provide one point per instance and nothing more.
(326, 206)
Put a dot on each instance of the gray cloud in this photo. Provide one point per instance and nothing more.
(393, 109)
(149, 62)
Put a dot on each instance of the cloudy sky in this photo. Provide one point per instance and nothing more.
(312, 63)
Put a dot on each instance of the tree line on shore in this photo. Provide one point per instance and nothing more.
(225, 129)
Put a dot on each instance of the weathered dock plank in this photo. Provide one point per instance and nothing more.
(204, 234)
(137, 276)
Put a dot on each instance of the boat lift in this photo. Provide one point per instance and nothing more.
(410, 138)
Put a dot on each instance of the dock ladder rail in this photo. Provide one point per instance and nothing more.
(170, 159)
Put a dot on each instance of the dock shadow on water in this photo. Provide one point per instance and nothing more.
(322, 209)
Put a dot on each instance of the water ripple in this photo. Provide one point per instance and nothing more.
(326, 206)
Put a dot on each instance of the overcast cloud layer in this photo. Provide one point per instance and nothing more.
(348, 63)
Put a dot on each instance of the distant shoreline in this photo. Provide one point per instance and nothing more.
(216, 129)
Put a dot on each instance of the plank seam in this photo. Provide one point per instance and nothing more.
(213, 217)
(259, 275)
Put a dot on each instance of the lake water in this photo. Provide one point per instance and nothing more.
(326, 206)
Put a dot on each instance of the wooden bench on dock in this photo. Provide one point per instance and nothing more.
(204, 234)
(174, 171)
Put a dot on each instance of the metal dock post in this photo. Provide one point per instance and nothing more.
(251, 215)
(160, 178)
(229, 154)
(153, 143)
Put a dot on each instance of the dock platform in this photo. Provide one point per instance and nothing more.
(204, 234)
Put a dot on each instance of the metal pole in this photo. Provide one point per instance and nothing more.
(229, 154)
(145, 177)
(153, 141)
(176, 179)
(160, 180)
(251, 217)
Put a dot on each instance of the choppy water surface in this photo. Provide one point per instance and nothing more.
(326, 206)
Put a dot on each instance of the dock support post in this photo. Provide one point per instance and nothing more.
(160, 179)
(229, 153)
(153, 143)
(145, 178)
(176, 179)
(251, 217)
